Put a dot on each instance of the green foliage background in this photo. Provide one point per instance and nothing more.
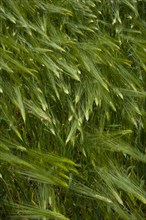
(73, 109)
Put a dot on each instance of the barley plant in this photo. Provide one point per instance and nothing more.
(73, 109)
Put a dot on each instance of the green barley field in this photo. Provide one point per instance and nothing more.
(73, 110)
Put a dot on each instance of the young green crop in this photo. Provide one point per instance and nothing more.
(72, 118)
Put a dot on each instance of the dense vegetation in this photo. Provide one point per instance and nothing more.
(73, 109)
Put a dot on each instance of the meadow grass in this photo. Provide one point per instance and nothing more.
(73, 109)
